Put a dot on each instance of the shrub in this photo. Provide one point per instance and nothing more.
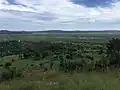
(32, 65)
(41, 65)
(7, 65)
(45, 69)
(13, 60)
(9, 74)
(6, 75)
(1, 65)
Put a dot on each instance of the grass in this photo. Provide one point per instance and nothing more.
(60, 81)
(52, 80)
(80, 37)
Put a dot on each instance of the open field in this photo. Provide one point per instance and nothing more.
(62, 35)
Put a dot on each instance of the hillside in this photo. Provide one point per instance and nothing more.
(56, 31)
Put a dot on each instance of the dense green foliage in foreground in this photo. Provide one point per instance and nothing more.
(67, 63)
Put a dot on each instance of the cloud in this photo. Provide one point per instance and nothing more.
(61, 14)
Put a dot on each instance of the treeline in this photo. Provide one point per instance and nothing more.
(56, 32)
(14, 32)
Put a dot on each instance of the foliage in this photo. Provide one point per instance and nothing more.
(10, 74)
(70, 55)
(7, 64)
(113, 52)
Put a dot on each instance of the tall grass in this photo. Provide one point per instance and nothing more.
(62, 81)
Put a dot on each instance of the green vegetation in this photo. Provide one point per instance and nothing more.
(64, 81)
(49, 62)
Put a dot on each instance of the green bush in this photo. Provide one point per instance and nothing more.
(7, 64)
(9, 74)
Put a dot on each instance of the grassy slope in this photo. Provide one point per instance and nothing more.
(60, 81)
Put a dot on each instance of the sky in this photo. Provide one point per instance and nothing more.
(42, 15)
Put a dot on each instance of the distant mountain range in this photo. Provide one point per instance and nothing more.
(53, 31)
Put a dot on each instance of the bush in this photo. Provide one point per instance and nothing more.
(13, 60)
(1, 65)
(32, 65)
(9, 74)
(41, 65)
(45, 69)
(7, 65)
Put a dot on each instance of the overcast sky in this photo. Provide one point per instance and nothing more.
(59, 14)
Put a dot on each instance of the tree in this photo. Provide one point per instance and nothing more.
(113, 52)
